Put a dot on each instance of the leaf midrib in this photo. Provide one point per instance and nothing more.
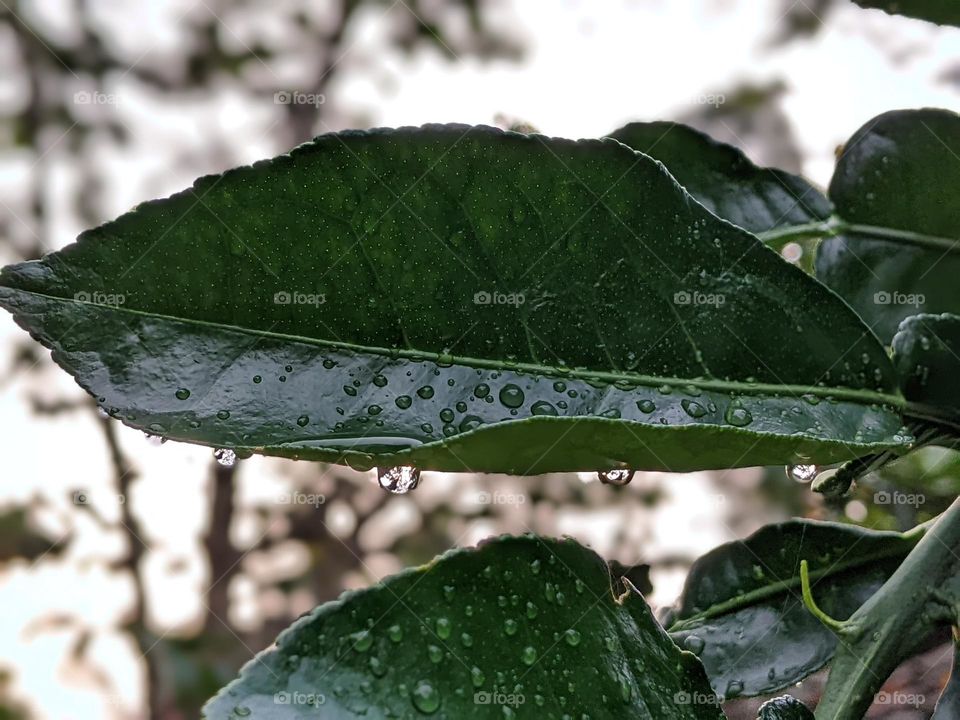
(856, 395)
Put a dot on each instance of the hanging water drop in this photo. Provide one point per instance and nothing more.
(225, 456)
(802, 473)
(400, 479)
(616, 477)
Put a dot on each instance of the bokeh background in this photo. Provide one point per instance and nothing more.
(136, 577)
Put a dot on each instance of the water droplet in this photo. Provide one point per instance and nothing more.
(802, 473)
(542, 407)
(477, 677)
(738, 416)
(529, 655)
(443, 628)
(182, 394)
(350, 390)
(329, 364)
(447, 415)
(426, 392)
(646, 406)
(470, 422)
(434, 653)
(400, 479)
(734, 688)
(425, 697)
(395, 633)
(102, 413)
(223, 415)
(303, 420)
(374, 410)
(510, 627)
(693, 408)
(225, 456)
(481, 390)
(241, 711)
(362, 640)
(380, 381)
(694, 644)
(257, 379)
(511, 396)
(616, 477)
(466, 639)
(572, 637)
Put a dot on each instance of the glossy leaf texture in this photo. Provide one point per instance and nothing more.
(459, 298)
(519, 627)
(942, 12)
(926, 352)
(895, 188)
(784, 708)
(725, 181)
(742, 611)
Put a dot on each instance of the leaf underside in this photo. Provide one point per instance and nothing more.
(459, 298)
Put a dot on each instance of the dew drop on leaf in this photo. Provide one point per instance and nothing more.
(426, 699)
(400, 479)
(802, 473)
(616, 477)
(225, 456)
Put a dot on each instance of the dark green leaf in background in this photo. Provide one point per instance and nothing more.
(459, 298)
(725, 181)
(520, 627)
(741, 609)
(784, 708)
(897, 184)
(948, 705)
(927, 357)
(942, 12)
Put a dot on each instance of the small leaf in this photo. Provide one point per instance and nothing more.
(895, 188)
(942, 12)
(927, 357)
(519, 627)
(784, 708)
(725, 181)
(742, 611)
(457, 298)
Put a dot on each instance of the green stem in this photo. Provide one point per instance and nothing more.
(836, 626)
(920, 596)
(836, 226)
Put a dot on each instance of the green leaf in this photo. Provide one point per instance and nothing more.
(895, 187)
(459, 298)
(725, 181)
(927, 357)
(742, 611)
(942, 12)
(519, 627)
(948, 705)
(784, 708)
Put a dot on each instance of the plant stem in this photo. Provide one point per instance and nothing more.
(836, 226)
(921, 595)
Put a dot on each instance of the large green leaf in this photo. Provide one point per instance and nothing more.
(942, 12)
(725, 181)
(742, 611)
(459, 298)
(927, 357)
(896, 189)
(519, 627)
